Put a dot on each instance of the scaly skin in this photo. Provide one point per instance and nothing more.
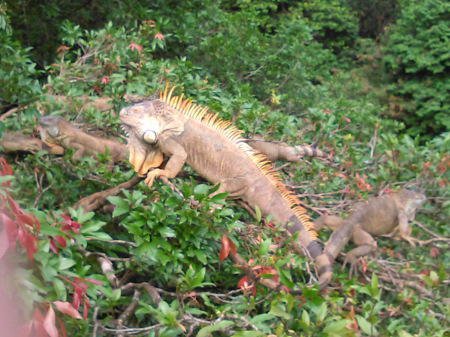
(55, 131)
(214, 149)
(282, 151)
(381, 215)
(14, 142)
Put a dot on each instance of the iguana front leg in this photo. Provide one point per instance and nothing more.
(366, 245)
(177, 159)
(405, 229)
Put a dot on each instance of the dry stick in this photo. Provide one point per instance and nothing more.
(373, 142)
(96, 323)
(8, 113)
(128, 311)
(105, 265)
(426, 230)
(151, 290)
(97, 200)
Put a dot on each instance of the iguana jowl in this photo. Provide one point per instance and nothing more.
(378, 216)
(187, 133)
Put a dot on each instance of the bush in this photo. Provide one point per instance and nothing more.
(416, 54)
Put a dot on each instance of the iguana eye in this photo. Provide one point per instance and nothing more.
(150, 137)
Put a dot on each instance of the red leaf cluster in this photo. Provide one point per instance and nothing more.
(17, 225)
(225, 248)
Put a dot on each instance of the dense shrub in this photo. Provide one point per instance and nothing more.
(416, 54)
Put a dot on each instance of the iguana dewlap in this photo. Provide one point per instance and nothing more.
(378, 216)
(55, 131)
(187, 133)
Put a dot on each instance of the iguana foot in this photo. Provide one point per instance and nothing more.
(154, 174)
(353, 262)
(412, 241)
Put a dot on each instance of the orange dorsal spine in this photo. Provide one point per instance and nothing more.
(201, 114)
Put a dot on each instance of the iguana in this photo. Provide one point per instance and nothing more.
(273, 150)
(281, 151)
(55, 131)
(14, 142)
(378, 216)
(187, 133)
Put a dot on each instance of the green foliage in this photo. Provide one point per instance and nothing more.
(277, 68)
(416, 53)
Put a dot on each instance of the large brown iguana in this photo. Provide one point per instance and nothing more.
(188, 133)
(55, 131)
(378, 216)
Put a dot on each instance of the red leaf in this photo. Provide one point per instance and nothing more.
(53, 247)
(62, 49)
(159, 36)
(11, 230)
(38, 326)
(105, 80)
(224, 248)
(85, 310)
(243, 283)
(61, 327)
(434, 252)
(76, 298)
(60, 240)
(49, 323)
(67, 308)
(134, 46)
(4, 244)
(30, 244)
(15, 209)
(6, 169)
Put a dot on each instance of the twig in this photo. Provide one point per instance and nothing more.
(373, 142)
(8, 113)
(426, 230)
(128, 311)
(97, 200)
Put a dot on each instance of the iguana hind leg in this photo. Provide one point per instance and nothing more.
(235, 187)
(366, 245)
(330, 221)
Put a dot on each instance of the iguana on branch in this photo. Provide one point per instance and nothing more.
(187, 133)
(55, 131)
(378, 216)
(14, 142)
(281, 151)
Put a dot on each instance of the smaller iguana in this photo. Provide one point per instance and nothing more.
(378, 216)
(55, 131)
(281, 151)
(15, 142)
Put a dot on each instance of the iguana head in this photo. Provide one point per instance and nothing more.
(146, 123)
(412, 200)
(50, 128)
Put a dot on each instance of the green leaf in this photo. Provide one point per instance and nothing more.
(258, 213)
(337, 326)
(65, 263)
(261, 318)
(305, 318)
(249, 334)
(264, 247)
(322, 312)
(365, 326)
(207, 331)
